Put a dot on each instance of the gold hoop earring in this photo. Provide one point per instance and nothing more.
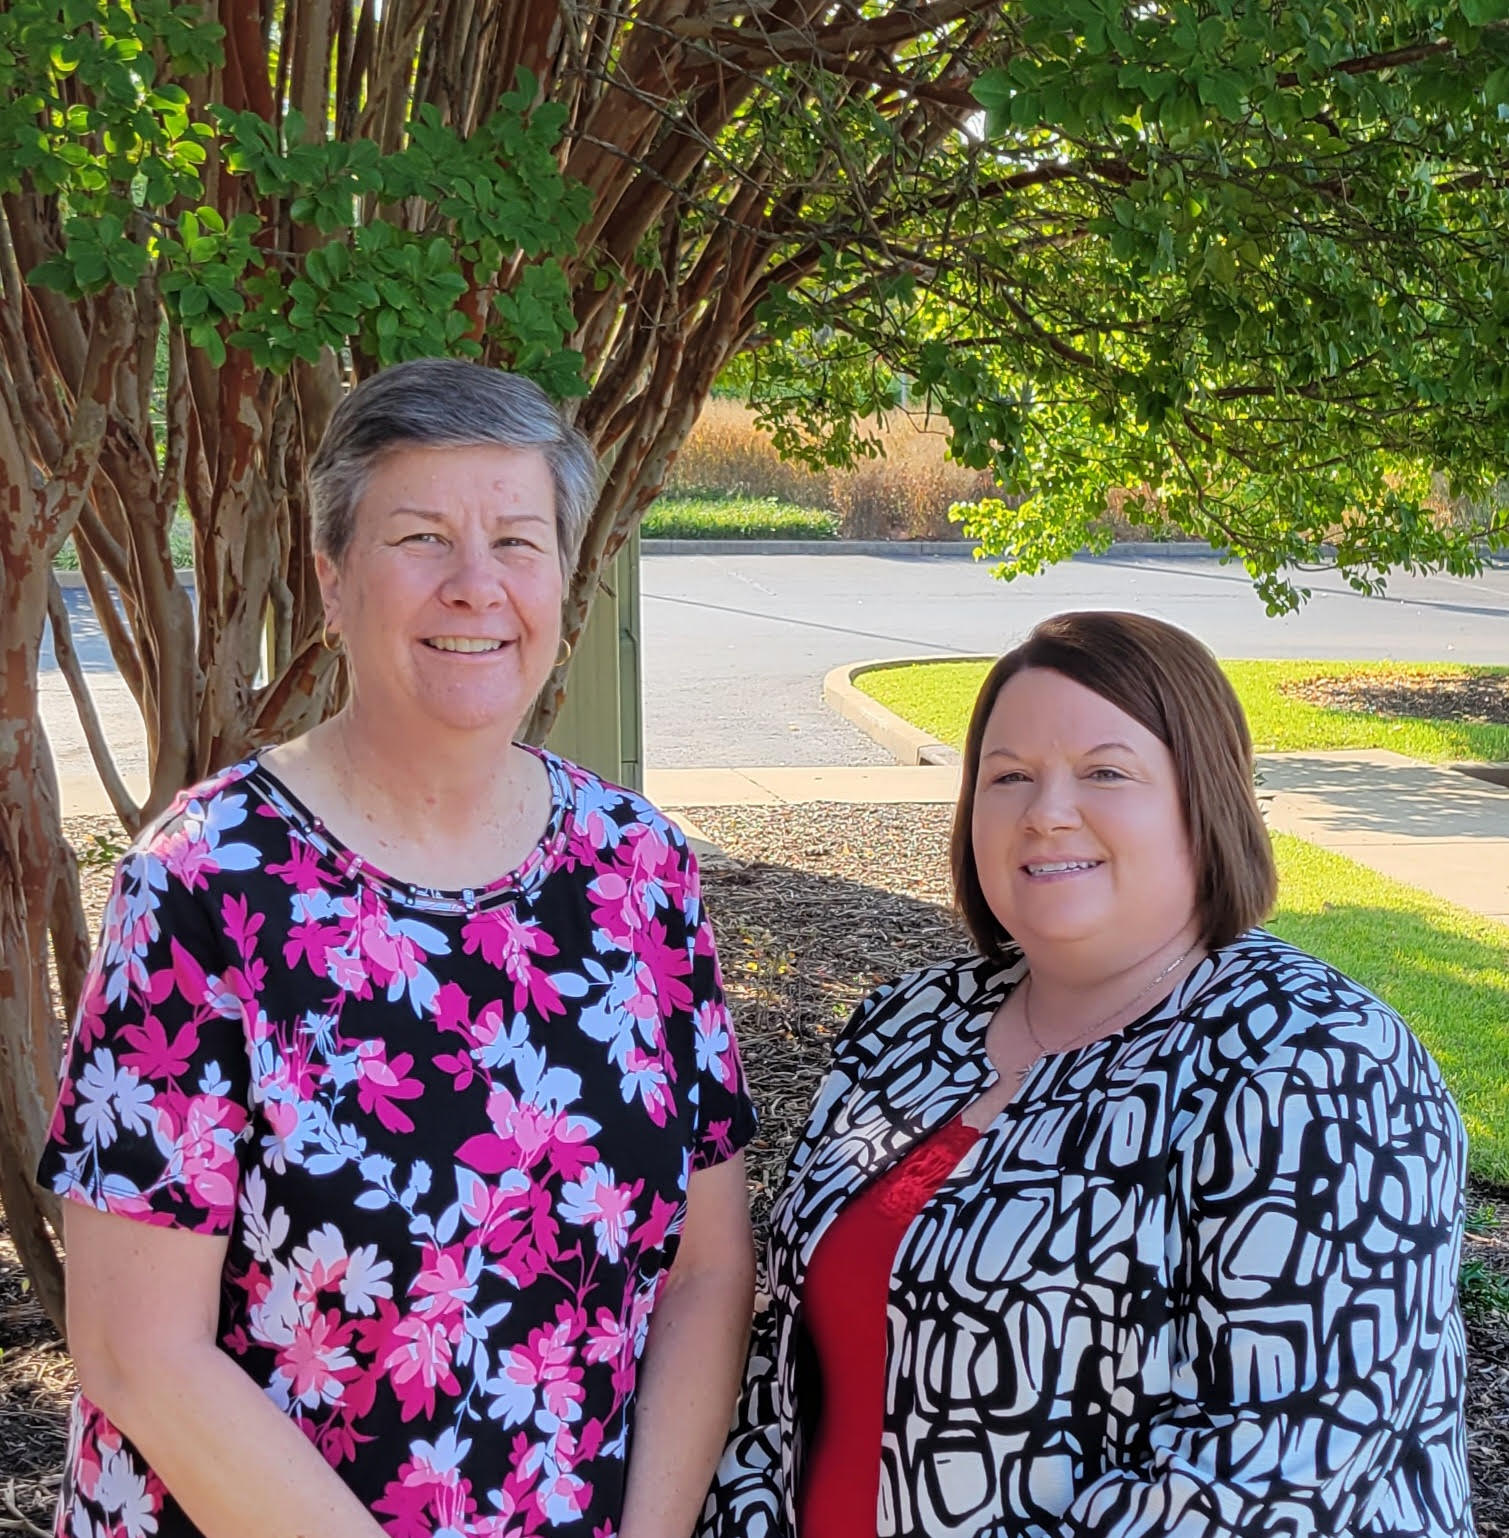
(330, 639)
(564, 655)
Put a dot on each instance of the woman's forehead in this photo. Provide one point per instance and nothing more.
(1038, 707)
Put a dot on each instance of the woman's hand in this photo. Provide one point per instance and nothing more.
(689, 1374)
(143, 1306)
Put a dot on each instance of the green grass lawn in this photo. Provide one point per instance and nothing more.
(1444, 969)
(736, 518)
(938, 696)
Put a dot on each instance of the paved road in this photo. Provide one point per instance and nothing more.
(736, 646)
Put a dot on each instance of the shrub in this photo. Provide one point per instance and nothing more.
(736, 518)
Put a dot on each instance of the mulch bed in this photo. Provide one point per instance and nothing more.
(1480, 699)
(816, 906)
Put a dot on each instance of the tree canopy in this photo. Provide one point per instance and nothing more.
(1247, 263)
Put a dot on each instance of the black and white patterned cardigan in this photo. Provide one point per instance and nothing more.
(1198, 1280)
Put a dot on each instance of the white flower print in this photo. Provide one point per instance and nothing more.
(122, 1491)
(366, 1280)
(264, 1235)
(111, 1096)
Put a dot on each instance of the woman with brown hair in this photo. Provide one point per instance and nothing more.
(1139, 1223)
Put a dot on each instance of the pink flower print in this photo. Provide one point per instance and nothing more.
(418, 1363)
(301, 870)
(395, 952)
(641, 1309)
(717, 1143)
(404, 1506)
(525, 1241)
(153, 1056)
(452, 1009)
(597, 1199)
(518, 1513)
(347, 971)
(240, 924)
(645, 1076)
(205, 1154)
(446, 1283)
(507, 942)
(429, 1495)
(617, 910)
(311, 1367)
(194, 849)
(670, 967)
(664, 1219)
(310, 941)
(609, 1338)
(541, 1372)
(379, 1083)
(647, 848)
(525, 1134)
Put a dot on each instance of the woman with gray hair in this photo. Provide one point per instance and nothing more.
(402, 1119)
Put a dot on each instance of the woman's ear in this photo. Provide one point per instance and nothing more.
(328, 574)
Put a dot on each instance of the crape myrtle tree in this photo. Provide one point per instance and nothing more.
(1248, 263)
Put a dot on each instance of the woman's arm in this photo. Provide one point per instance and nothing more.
(1316, 1382)
(142, 1316)
(689, 1374)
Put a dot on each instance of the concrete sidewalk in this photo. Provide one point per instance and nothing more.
(1425, 824)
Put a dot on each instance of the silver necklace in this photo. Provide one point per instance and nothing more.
(1090, 1031)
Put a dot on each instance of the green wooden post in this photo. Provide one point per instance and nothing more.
(600, 724)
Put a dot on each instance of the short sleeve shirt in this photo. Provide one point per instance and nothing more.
(447, 1136)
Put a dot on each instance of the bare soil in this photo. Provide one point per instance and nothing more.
(1477, 699)
(814, 907)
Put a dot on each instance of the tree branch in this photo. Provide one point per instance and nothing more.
(99, 747)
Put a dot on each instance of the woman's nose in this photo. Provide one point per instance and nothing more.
(472, 577)
(1053, 803)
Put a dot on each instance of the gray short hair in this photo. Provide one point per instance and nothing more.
(446, 402)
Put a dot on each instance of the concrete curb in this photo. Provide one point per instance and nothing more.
(906, 743)
(894, 549)
(905, 549)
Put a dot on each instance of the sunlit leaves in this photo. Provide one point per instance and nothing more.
(85, 118)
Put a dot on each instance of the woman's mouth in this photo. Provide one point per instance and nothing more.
(460, 643)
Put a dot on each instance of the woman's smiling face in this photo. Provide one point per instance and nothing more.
(1079, 828)
(448, 598)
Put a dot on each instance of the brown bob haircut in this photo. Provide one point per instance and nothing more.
(1170, 683)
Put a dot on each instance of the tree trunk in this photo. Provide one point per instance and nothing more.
(33, 866)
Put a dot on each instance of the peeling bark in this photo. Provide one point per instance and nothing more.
(648, 88)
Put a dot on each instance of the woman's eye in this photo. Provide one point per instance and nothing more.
(1106, 774)
(422, 535)
(1010, 777)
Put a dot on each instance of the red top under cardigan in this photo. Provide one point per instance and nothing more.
(844, 1298)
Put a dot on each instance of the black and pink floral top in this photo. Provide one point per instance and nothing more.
(447, 1136)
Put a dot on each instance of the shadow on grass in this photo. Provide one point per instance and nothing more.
(1452, 988)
